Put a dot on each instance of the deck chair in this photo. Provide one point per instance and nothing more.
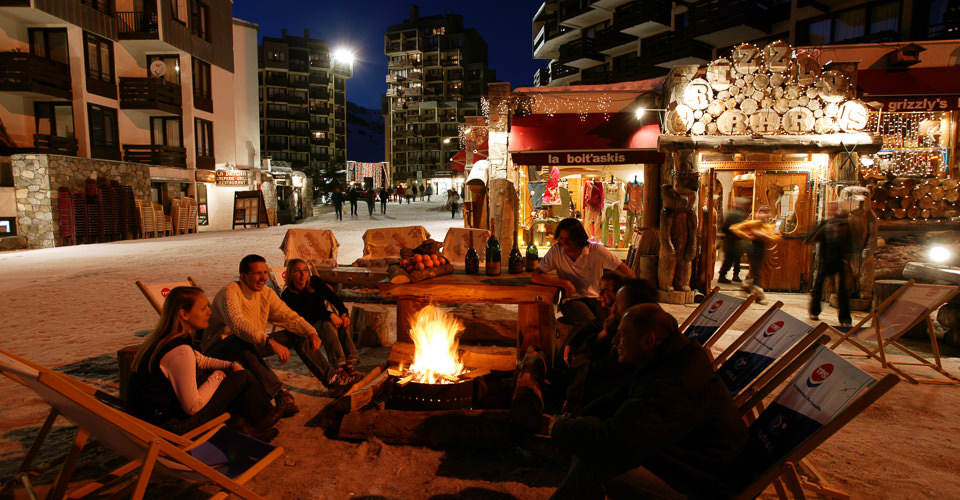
(822, 397)
(213, 453)
(717, 313)
(905, 309)
(278, 276)
(762, 351)
(156, 294)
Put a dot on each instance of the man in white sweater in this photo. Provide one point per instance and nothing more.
(237, 331)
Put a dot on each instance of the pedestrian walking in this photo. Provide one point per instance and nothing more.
(429, 192)
(400, 194)
(411, 193)
(337, 198)
(354, 196)
(423, 191)
(733, 247)
(452, 199)
(759, 233)
(833, 235)
(384, 196)
(371, 198)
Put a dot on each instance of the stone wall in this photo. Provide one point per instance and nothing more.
(37, 179)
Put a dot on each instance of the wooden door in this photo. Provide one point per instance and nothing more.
(787, 265)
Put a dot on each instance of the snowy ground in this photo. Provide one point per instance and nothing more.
(73, 307)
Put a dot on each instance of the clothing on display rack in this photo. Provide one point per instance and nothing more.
(551, 194)
(633, 203)
(592, 207)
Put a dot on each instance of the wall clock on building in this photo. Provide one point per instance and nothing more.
(158, 68)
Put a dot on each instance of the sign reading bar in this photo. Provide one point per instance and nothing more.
(572, 158)
(232, 178)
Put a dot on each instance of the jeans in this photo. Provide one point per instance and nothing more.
(338, 209)
(370, 206)
(383, 206)
(239, 393)
(586, 481)
(338, 343)
(732, 251)
(843, 295)
(353, 207)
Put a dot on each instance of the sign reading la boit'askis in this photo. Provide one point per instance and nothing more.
(769, 91)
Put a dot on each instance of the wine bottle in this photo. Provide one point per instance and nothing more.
(471, 260)
(516, 262)
(533, 255)
(493, 253)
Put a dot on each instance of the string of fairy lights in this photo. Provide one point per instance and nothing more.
(911, 145)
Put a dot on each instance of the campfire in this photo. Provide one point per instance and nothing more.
(437, 378)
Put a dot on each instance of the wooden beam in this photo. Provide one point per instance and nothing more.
(832, 143)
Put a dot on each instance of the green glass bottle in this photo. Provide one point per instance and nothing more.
(471, 260)
(493, 253)
(533, 255)
(516, 262)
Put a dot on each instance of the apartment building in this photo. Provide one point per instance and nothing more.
(117, 89)
(303, 106)
(437, 75)
(608, 41)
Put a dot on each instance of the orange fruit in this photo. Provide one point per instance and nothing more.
(420, 266)
(404, 262)
(427, 263)
(418, 258)
(435, 257)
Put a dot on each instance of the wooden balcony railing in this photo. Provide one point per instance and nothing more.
(138, 25)
(154, 154)
(24, 72)
(51, 144)
(150, 93)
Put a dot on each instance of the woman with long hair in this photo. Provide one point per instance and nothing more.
(165, 389)
(308, 296)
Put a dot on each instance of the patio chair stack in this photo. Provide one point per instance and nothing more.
(108, 219)
(147, 224)
(191, 214)
(81, 227)
(116, 193)
(68, 228)
(94, 213)
(129, 211)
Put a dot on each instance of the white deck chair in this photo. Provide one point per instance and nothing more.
(714, 316)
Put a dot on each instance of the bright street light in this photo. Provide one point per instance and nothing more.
(343, 55)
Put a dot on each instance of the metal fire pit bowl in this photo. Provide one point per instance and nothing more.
(426, 397)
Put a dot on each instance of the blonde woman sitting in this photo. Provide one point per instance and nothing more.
(177, 388)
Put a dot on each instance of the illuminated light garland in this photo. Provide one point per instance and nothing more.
(906, 152)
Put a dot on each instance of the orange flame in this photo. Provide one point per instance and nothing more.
(435, 358)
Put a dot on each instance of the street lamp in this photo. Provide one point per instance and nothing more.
(343, 55)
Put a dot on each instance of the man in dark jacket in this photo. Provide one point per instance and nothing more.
(337, 198)
(833, 235)
(354, 195)
(673, 430)
(733, 246)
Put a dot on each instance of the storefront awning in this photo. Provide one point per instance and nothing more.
(584, 139)
(916, 89)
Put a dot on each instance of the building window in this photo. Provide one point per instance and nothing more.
(98, 56)
(202, 97)
(204, 141)
(50, 44)
(166, 131)
(871, 23)
(200, 19)
(104, 142)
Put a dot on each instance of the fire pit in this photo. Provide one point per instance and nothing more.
(437, 379)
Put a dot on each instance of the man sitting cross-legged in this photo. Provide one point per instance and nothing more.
(237, 331)
(672, 431)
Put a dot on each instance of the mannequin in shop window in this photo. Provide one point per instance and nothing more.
(611, 214)
(592, 207)
(633, 203)
(678, 232)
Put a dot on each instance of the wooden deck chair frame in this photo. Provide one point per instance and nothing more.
(732, 348)
(723, 326)
(879, 353)
(783, 474)
(154, 301)
(160, 447)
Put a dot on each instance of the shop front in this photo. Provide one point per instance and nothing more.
(768, 128)
(582, 152)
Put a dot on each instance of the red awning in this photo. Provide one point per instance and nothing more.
(913, 81)
(583, 132)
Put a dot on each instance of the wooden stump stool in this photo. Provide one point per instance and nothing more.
(370, 325)
(125, 365)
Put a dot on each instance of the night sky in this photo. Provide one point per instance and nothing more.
(506, 26)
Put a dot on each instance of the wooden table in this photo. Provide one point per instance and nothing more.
(536, 322)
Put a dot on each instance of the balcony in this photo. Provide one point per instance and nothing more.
(642, 18)
(724, 22)
(303, 147)
(541, 78)
(319, 78)
(51, 144)
(26, 73)
(138, 25)
(560, 74)
(672, 48)
(275, 113)
(580, 53)
(611, 41)
(154, 94)
(277, 129)
(581, 14)
(277, 80)
(299, 83)
(299, 114)
(552, 35)
(152, 154)
(319, 93)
